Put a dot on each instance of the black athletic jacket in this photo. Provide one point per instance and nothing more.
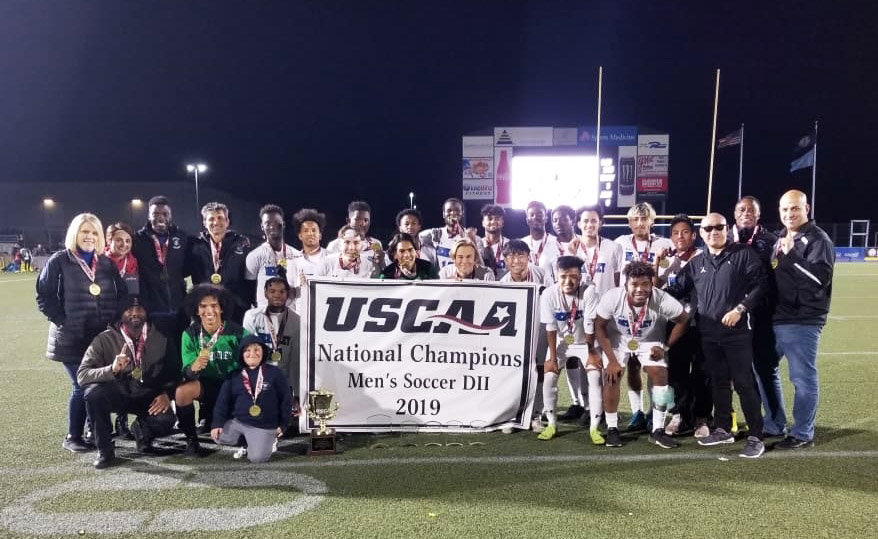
(233, 254)
(161, 296)
(804, 278)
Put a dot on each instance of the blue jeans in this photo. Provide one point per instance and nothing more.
(799, 344)
(76, 415)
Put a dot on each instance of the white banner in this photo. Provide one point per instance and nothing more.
(427, 355)
(523, 136)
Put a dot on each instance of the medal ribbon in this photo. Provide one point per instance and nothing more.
(215, 249)
(141, 344)
(572, 311)
(403, 272)
(536, 256)
(645, 254)
(593, 265)
(738, 237)
(89, 271)
(351, 266)
(213, 338)
(248, 388)
(161, 251)
(283, 253)
(686, 255)
(271, 332)
(634, 325)
(454, 231)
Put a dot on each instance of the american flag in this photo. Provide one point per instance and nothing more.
(732, 139)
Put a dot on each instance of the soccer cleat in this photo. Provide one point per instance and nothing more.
(703, 431)
(754, 448)
(659, 438)
(75, 445)
(547, 433)
(104, 460)
(734, 429)
(674, 425)
(573, 413)
(596, 437)
(613, 438)
(637, 423)
(240, 453)
(791, 442)
(718, 436)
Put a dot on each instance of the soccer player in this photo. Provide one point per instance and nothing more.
(603, 257)
(208, 351)
(278, 326)
(803, 263)
(492, 221)
(729, 282)
(360, 219)
(567, 310)
(686, 364)
(219, 257)
(406, 263)
(641, 245)
(521, 270)
(130, 367)
(467, 264)
(441, 240)
(350, 262)
(535, 217)
(630, 324)
(274, 257)
(409, 221)
(309, 224)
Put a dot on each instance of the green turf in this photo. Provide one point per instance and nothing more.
(512, 486)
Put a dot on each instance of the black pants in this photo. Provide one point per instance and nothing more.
(105, 398)
(730, 359)
(687, 375)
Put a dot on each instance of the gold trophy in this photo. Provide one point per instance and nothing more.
(322, 409)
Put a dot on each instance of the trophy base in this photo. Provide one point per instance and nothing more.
(322, 444)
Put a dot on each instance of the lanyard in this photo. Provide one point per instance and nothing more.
(89, 271)
(215, 249)
(634, 325)
(141, 344)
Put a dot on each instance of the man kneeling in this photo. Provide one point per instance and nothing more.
(631, 322)
(130, 368)
(254, 402)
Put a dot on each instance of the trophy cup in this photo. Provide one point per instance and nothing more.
(322, 409)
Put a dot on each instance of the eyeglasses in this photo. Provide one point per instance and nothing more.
(711, 228)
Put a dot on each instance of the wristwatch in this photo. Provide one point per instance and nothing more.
(740, 309)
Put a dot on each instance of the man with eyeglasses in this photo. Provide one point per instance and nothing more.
(729, 283)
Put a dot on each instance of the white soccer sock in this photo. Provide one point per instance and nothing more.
(635, 398)
(658, 418)
(550, 396)
(612, 420)
(659, 411)
(595, 398)
(574, 382)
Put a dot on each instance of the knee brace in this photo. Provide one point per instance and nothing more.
(663, 396)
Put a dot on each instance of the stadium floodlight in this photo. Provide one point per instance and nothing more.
(48, 203)
(411, 200)
(196, 168)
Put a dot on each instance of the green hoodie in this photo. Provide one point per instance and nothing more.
(223, 358)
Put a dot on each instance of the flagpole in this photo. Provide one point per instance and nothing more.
(814, 174)
(712, 144)
(741, 163)
(598, 130)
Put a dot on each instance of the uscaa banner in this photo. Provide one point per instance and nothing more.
(427, 355)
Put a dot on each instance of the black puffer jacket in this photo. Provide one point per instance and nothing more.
(76, 316)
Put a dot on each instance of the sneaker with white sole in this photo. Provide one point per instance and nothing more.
(718, 436)
(613, 438)
(703, 431)
(754, 448)
(595, 436)
(240, 453)
(659, 438)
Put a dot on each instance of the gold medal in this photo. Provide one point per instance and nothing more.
(216, 278)
(275, 356)
(255, 410)
(664, 263)
(282, 262)
(94, 289)
(569, 339)
(633, 345)
(774, 264)
(376, 247)
(136, 373)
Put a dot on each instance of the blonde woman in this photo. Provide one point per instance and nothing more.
(79, 291)
(466, 263)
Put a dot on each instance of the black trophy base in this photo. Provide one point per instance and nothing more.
(322, 444)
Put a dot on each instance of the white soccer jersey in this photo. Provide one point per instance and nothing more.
(439, 243)
(310, 264)
(481, 273)
(367, 244)
(535, 275)
(660, 308)
(263, 263)
(545, 252)
(601, 269)
(641, 250)
(497, 251)
(331, 267)
(568, 315)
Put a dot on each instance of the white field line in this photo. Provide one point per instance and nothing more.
(873, 352)
(853, 317)
(5, 281)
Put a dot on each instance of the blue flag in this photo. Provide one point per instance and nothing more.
(804, 152)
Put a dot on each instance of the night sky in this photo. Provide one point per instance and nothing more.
(316, 103)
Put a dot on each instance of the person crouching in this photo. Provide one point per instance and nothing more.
(254, 402)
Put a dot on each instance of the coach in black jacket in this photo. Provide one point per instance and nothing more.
(160, 248)
(803, 262)
(729, 282)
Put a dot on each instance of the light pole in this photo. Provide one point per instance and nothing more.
(136, 204)
(411, 200)
(196, 168)
(48, 204)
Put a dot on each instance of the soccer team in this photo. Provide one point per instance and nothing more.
(698, 322)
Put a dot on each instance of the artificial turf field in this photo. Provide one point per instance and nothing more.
(512, 486)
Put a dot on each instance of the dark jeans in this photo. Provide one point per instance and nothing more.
(76, 413)
(730, 359)
(687, 375)
(766, 365)
(104, 398)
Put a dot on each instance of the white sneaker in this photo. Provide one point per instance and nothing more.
(274, 447)
(702, 431)
(674, 426)
(240, 453)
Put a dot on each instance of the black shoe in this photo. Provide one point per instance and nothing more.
(637, 423)
(122, 430)
(585, 419)
(659, 438)
(193, 448)
(791, 442)
(142, 437)
(89, 440)
(76, 445)
(572, 414)
(105, 460)
(203, 427)
(613, 438)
